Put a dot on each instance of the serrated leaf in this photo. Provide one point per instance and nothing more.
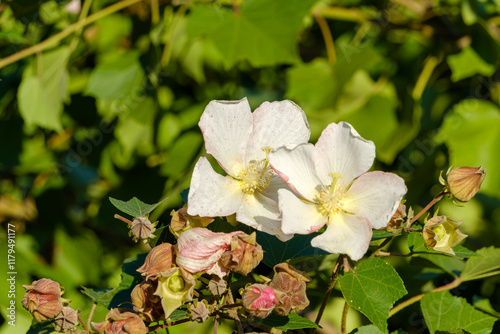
(373, 289)
(112, 298)
(273, 26)
(416, 243)
(480, 267)
(134, 207)
(289, 322)
(443, 311)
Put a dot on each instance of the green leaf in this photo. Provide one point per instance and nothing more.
(370, 329)
(467, 63)
(289, 322)
(175, 316)
(373, 289)
(480, 267)
(276, 251)
(484, 304)
(472, 133)
(43, 90)
(442, 311)
(111, 298)
(416, 243)
(383, 234)
(134, 207)
(272, 26)
(44, 327)
(116, 78)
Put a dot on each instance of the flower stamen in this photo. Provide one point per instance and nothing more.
(330, 198)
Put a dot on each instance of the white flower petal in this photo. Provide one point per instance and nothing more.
(276, 124)
(226, 128)
(297, 168)
(263, 214)
(345, 234)
(298, 216)
(211, 194)
(342, 150)
(375, 196)
(275, 184)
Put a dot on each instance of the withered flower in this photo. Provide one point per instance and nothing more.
(159, 260)
(175, 287)
(289, 284)
(217, 286)
(398, 217)
(145, 302)
(43, 299)
(245, 254)
(199, 311)
(182, 221)
(259, 300)
(441, 234)
(121, 321)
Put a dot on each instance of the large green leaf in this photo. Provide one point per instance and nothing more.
(442, 311)
(259, 25)
(467, 63)
(372, 289)
(472, 132)
(134, 207)
(480, 267)
(289, 322)
(43, 90)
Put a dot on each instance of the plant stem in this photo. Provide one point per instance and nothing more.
(83, 14)
(123, 219)
(382, 245)
(327, 36)
(84, 325)
(333, 280)
(155, 12)
(456, 282)
(167, 50)
(91, 314)
(53, 40)
(344, 317)
(434, 201)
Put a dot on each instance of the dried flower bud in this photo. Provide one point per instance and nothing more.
(182, 221)
(145, 302)
(398, 217)
(66, 319)
(142, 229)
(245, 254)
(159, 260)
(441, 234)
(121, 321)
(289, 284)
(199, 311)
(174, 288)
(259, 300)
(199, 250)
(43, 299)
(217, 286)
(464, 182)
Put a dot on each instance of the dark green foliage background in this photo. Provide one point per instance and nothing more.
(112, 111)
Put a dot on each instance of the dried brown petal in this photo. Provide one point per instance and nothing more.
(159, 260)
(182, 221)
(145, 302)
(245, 254)
(398, 217)
(289, 284)
(121, 321)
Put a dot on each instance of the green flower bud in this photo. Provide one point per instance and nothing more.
(441, 234)
(175, 287)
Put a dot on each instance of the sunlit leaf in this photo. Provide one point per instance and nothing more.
(467, 63)
(373, 289)
(443, 312)
(134, 207)
(289, 322)
(488, 264)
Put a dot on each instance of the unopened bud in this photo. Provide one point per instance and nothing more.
(289, 285)
(259, 300)
(217, 286)
(43, 299)
(66, 319)
(464, 182)
(142, 229)
(182, 221)
(159, 260)
(441, 234)
(121, 321)
(245, 254)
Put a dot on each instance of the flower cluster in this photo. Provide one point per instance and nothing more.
(278, 183)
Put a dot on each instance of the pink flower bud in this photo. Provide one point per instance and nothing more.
(464, 182)
(43, 299)
(259, 300)
(121, 321)
(159, 259)
(199, 250)
(245, 254)
(289, 284)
